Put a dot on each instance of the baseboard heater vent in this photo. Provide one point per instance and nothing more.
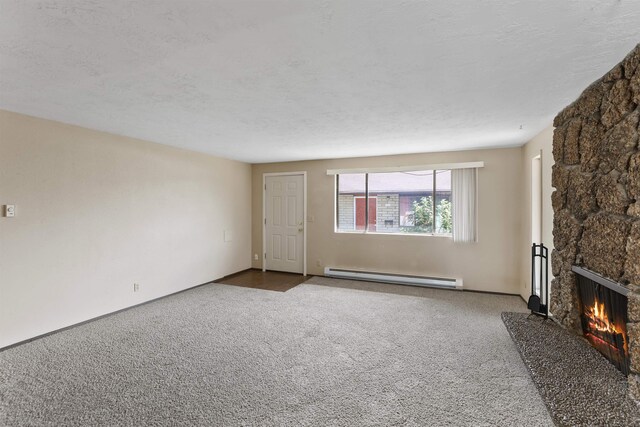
(401, 279)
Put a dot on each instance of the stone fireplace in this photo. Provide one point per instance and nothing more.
(596, 208)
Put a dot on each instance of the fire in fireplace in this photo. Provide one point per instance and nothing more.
(603, 311)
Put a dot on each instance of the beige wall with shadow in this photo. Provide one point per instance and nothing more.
(492, 264)
(96, 213)
(542, 145)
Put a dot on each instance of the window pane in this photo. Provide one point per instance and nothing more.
(401, 202)
(443, 202)
(351, 189)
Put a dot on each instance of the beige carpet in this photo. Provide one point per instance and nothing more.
(324, 353)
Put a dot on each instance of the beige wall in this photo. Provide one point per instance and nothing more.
(98, 212)
(491, 264)
(541, 145)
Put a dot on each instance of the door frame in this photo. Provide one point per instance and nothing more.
(535, 216)
(304, 217)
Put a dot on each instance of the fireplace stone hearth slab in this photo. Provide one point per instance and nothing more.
(579, 386)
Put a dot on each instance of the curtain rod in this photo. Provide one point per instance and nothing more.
(438, 166)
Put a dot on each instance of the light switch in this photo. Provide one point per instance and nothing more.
(228, 235)
(10, 211)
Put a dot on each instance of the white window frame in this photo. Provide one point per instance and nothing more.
(337, 172)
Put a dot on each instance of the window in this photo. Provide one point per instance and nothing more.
(351, 197)
(395, 202)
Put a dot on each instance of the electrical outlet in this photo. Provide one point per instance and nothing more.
(255, 257)
(136, 287)
(319, 263)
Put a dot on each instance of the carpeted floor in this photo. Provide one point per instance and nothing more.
(324, 353)
(579, 386)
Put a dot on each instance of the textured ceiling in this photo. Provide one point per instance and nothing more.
(267, 80)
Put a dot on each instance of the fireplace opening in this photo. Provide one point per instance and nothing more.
(603, 313)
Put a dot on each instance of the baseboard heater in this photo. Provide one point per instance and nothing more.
(400, 279)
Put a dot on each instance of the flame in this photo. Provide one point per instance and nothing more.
(608, 336)
(600, 320)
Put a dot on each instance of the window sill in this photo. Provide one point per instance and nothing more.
(375, 233)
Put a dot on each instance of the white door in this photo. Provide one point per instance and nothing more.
(284, 219)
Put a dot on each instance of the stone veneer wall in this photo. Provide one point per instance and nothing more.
(597, 199)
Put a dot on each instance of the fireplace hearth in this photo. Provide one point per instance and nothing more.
(603, 315)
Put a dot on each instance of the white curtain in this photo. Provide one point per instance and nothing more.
(463, 183)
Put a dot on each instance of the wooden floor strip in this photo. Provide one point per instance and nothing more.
(267, 280)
